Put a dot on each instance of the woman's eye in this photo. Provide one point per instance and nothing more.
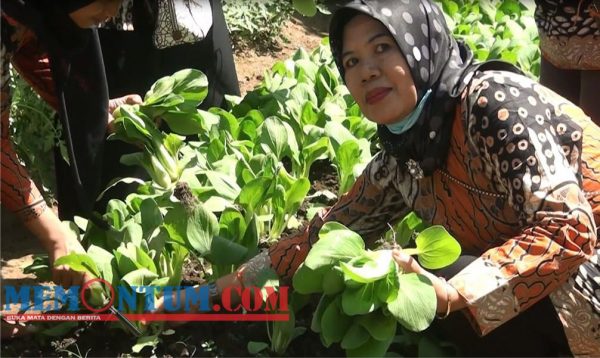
(381, 47)
(350, 62)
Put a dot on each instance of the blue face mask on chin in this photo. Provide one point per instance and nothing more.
(407, 122)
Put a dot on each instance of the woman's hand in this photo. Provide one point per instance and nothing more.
(448, 298)
(406, 262)
(58, 242)
(116, 102)
(63, 275)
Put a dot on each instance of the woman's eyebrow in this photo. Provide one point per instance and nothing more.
(373, 38)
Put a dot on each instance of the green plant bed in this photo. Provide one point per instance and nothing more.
(256, 24)
(258, 172)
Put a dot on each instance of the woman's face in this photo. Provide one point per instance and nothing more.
(95, 13)
(376, 72)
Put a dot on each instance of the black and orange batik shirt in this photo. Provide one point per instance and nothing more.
(520, 190)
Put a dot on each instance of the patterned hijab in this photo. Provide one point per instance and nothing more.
(437, 62)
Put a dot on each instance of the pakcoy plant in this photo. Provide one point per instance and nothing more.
(152, 232)
(244, 179)
(497, 30)
(245, 151)
(172, 99)
(258, 23)
(364, 293)
(319, 115)
(139, 259)
(146, 244)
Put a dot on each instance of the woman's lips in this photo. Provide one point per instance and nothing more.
(377, 94)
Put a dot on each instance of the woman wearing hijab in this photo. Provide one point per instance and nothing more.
(52, 45)
(508, 167)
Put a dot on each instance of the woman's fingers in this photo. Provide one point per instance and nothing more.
(133, 99)
(114, 103)
(128, 99)
(65, 277)
(406, 262)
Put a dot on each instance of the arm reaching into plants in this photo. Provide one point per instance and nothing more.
(58, 242)
(19, 193)
(448, 298)
(21, 196)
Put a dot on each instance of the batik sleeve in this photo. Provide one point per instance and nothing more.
(19, 193)
(532, 149)
(21, 49)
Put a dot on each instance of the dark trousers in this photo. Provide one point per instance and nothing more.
(537, 332)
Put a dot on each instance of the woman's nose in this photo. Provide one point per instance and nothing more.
(369, 70)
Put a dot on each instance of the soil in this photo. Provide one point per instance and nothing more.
(17, 246)
(298, 32)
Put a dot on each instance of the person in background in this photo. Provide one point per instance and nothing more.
(149, 39)
(146, 41)
(507, 166)
(570, 45)
(53, 45)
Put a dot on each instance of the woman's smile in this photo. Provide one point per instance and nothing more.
(377, 94)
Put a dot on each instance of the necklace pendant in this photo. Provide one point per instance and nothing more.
(414, 169)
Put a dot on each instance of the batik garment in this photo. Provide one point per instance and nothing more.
(570, 33)
(521, 189)
(508, 167)
(19, 193)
